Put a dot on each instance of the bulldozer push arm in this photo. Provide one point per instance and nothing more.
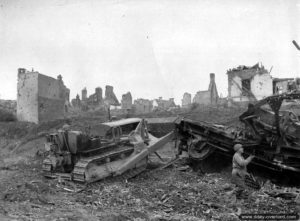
(152, 148)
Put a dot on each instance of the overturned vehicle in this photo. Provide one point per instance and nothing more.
(271, 133)
(104, 150)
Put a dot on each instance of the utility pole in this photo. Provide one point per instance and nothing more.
(296, 45)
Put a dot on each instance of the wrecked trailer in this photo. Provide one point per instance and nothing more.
(271, 134)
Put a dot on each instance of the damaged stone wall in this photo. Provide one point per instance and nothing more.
(249, 83)
(40, 97)
(202, 97)
(110, 97)
(143, 106)
(84, 94)
(27, 96)
(76, 102)
(161, 104)
(96, 98)
(186, 100)
(52, 96)
(126, 101)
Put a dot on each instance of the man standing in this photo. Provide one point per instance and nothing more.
(239, 169)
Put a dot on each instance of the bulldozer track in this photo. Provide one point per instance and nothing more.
(81, 166)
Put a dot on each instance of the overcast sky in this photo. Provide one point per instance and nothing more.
(150, 48)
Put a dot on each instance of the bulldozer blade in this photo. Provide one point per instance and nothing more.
(132, 161)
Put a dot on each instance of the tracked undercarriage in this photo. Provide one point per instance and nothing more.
(108, 149)
(271, 134)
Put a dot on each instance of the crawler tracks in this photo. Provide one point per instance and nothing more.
(98, 162)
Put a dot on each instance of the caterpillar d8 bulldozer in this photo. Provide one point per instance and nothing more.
(107, 149)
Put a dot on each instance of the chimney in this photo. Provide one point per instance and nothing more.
(84, 94)
(21, 70)
(212, 77)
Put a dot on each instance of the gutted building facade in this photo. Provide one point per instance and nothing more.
(84, 94)
(143, 105)
(186, 100)
(126, 101)
(76, 102)
(161, 104)
(285, 85)
(96, 98)
(40, 97)
(110, 97)
(249, 83)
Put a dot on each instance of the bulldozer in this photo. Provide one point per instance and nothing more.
(105, 150)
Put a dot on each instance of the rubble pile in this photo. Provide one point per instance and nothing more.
(175, 193)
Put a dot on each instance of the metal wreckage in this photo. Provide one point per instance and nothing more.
(271, 133)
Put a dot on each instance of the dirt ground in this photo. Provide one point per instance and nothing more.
(173, 193)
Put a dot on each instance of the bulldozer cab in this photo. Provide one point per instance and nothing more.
(117, 133)
(114, 134)
(120, 129)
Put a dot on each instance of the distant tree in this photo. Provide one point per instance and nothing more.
(6, 116)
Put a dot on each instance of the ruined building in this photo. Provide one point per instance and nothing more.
(283, 85)
(40, 97)
(96, 98)
(126, 101)
(110, 97)
(160, 104)
(186, 100)
(209, 97)
(84, 94)
(143, 105)
(249, 83)
(76, 103)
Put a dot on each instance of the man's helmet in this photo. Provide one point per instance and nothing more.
(238, 146)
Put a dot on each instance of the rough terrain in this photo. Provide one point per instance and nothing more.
(173, 193)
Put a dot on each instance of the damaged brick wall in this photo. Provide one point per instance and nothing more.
(126, 101)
